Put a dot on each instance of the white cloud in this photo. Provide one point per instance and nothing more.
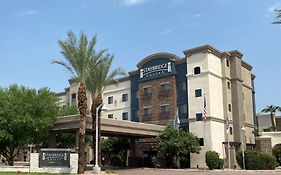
(28, 12)
(167, 32)
(273, 7)
(129, 3)
(197, 15)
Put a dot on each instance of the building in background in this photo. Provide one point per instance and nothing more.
(164, 83)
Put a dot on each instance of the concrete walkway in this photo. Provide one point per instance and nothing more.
(151, 171)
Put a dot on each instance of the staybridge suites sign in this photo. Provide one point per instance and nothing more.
(156, 68)
(54, 157)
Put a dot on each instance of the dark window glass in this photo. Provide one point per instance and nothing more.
(183, 109)
(165, 109)
(197, 70)
(110, 116)
(124, 97)
(229, 107)
(73, 99)
(198, 93)
(201, 141)
(164, 88)
(110, 100)
(147, 91)
(199, 117)
(147, 111)
(125, 115)
(228, 85)
(227, 63)
(182, 86)
(230, 130)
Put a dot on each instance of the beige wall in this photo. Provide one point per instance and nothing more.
(118, 107)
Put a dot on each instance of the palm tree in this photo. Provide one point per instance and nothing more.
(272, 110)
(98, 78)
(278, 17)
(77, 55)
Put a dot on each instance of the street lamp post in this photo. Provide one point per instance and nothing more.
(242, 144)
(96, 168)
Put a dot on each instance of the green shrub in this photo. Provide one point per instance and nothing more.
(276, 152)
(213, 160)
(256, 160)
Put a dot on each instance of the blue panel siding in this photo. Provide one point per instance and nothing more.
(134, 98)
(181, 71)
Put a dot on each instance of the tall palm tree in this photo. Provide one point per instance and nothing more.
(98, 78)
(278, 17)
(77, 54)
(272, 110)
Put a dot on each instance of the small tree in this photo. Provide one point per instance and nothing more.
(25, 117)
(213, 160)
(272, 111)
(177, 142)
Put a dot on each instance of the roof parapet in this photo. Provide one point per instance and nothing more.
(202, 49)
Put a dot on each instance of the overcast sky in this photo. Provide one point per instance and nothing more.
(134, 29)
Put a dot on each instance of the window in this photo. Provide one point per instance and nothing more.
(227, 63)
(199, 117)
(147, 111)
(125, 116)
(110, 100)
(110, 116)
(73, 99)
(147, 91)
(197, 70)
(164, 88)
(165, 109)
(229, 107)
(201, 141)
(124, 97)
(198, 92)
(228, 85)
(183, 109)
(230, 130)
(182, 86)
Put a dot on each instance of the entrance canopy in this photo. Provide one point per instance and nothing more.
(109, 127)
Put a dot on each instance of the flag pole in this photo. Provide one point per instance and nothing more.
(204, 127)
(228, 145)
(228, 135)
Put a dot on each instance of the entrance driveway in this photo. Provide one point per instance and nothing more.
(151, 171)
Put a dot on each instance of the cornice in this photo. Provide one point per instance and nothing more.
(236, 53)
(170, 56)
(203, 49)
(246, 65)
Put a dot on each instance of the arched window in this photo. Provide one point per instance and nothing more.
(197, 70)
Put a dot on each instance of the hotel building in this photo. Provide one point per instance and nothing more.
(164, 83)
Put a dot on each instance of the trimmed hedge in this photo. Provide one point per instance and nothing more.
(213, 160)
(256, 160)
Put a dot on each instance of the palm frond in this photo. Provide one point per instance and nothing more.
(65, 65)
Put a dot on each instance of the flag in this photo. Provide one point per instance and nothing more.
(227, 123)
(177, 121)
(205, 109)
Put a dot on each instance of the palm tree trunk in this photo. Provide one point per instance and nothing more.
(82, 105)
(97, 101)
(272, 117)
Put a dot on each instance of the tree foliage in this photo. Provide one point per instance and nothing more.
(25, 117)
(272, 111)
(114, 149)
(278, 16)
(177, 142)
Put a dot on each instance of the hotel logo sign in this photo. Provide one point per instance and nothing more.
(156, 70)
(54, 158)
